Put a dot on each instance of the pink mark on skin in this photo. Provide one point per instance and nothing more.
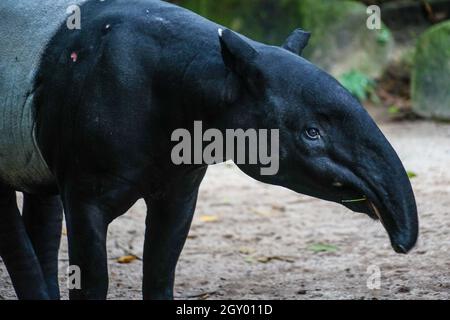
(74, 56)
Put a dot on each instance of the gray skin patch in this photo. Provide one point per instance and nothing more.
(26, 27)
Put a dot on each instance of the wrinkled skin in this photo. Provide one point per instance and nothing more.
(104, 125)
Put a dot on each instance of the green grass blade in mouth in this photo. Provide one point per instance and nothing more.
(355, 200)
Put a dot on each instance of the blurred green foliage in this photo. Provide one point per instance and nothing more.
(341, 40)
(270, 21)
(359, 84)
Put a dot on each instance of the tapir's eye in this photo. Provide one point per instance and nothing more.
(313, 133)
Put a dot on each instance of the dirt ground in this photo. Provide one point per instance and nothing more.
(254, 241)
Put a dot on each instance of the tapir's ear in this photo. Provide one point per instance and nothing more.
(297, 41)
(239, 56)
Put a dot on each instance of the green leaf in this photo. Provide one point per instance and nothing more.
(359, 84)
(411, 175)
(384, 35)
(394, 110)
(322, 247)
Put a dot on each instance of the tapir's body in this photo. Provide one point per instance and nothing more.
(96, 109)
(26, 27)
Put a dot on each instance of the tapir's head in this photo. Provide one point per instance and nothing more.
(330, 148)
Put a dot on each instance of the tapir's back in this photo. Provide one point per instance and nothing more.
(26, 26)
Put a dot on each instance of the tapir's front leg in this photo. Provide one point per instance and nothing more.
(168, 223)
(89, 209)
(86, 231)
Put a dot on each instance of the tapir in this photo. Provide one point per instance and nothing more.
(87, 114)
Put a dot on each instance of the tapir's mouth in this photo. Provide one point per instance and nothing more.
(364, 205)
(377, 212)
(396, 244)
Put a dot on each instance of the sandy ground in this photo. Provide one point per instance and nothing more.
(253, 241)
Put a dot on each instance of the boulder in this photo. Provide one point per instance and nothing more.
(431, 73)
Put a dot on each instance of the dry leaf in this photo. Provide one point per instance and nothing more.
(262, 212)
(264, 259)
(273, 258)
(323, 247)
(126, 259)
(202, 296)
(246, 251)
(209, 218)
(278, 208)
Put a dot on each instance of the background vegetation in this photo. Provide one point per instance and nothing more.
(397, 67)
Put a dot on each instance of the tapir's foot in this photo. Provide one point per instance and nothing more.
(158, 295)
(159, 298)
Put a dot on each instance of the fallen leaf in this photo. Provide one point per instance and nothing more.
(323, 247)
(264, 259)
(202, 296)
(249, 259)
(126, 259)
(262, 212)
(207, 218)
(411, 175)
(275, 258)
(394, 110)
(246, 251)
(279, 208)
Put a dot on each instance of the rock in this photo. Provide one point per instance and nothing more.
(431, 73)
(341, 41)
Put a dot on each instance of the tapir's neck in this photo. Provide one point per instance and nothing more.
(197, 83)
(188, 70)
(208, 88)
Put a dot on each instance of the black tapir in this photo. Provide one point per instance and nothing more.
(87, 115)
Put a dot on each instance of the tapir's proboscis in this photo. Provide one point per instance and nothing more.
(86, 118)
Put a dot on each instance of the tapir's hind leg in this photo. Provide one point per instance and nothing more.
(43, 217)
(17, 251)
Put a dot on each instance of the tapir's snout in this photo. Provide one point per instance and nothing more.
(401, 225)
(398, 214)
(396, 211)
(384, 184)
